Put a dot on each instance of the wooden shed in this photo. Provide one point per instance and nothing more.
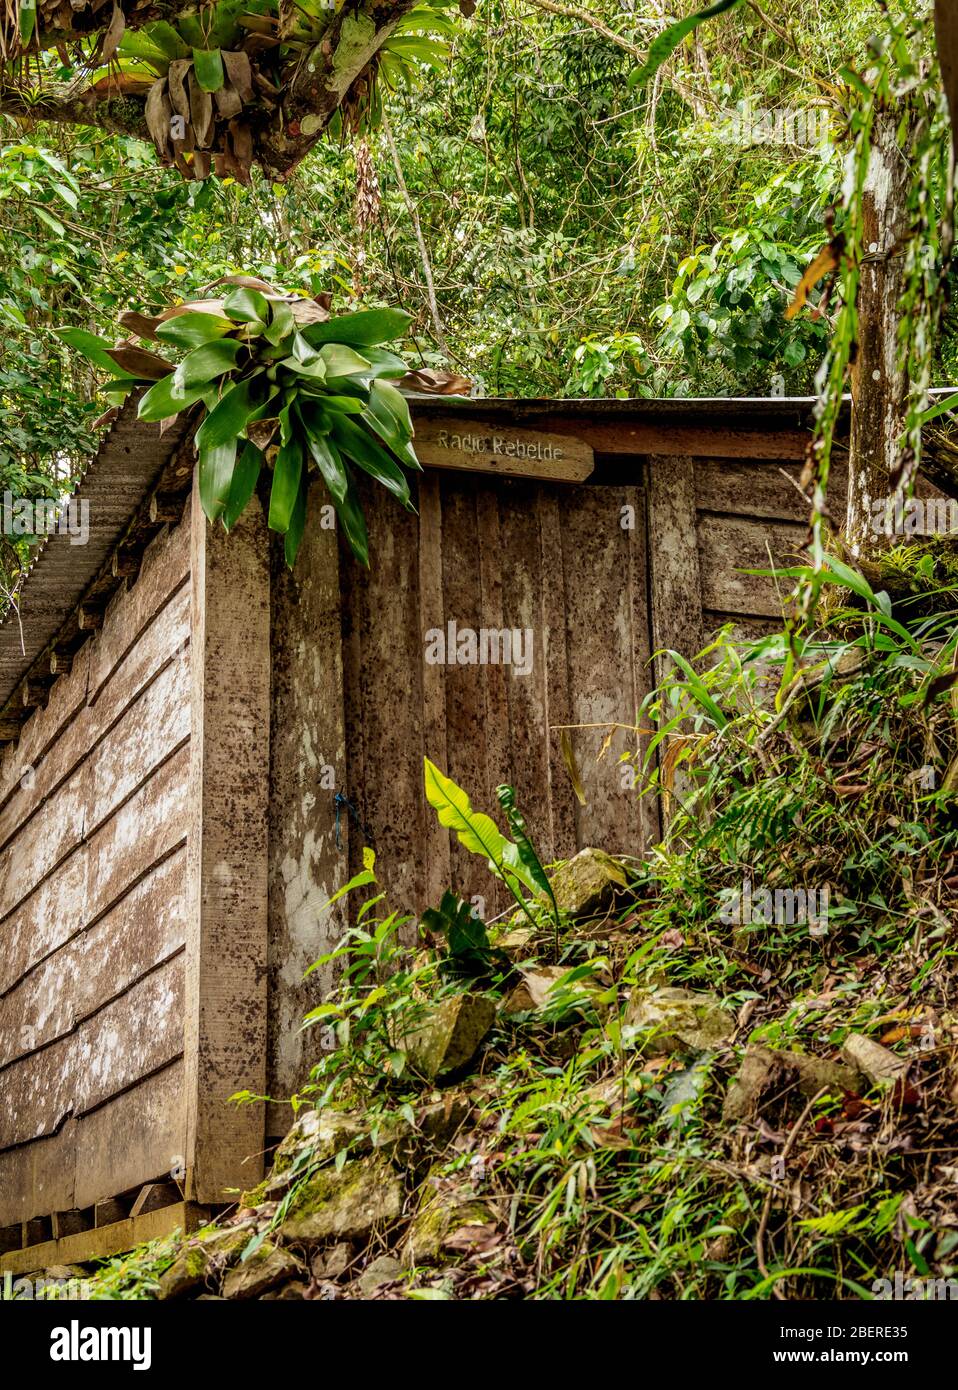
(197, 744)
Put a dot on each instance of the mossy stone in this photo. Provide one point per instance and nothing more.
(268, 1266)
(345, 1204)
(449, 1037)
(676, 1020)
(586, 886)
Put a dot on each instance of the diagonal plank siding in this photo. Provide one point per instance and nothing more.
(93, 823)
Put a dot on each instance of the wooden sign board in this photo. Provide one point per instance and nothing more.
(477, 447)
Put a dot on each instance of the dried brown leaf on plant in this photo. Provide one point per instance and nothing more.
(824, 264)
(433, 383)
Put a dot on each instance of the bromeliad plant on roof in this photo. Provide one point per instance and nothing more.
(284, 386)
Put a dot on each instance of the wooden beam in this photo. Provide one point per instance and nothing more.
(34, 692)
(11, 1237)
(100, 1242)
(124, 564)
(165, 509)
(110, 1211)
(475, 446)
(89, 618)
(154, 1195)
(71, 1223)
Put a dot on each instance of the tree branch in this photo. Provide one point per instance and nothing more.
(117, 115)
(593, 22)
(315, 84)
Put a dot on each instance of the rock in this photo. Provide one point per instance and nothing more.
(295, 1289)
(588, 883)
(436, 1123)
(345, 1204)
(382, 1271)
(444, 1209)
(450, 1035)
(266, 1267)
(187, 1272)
(537, 990)
(440, 1119)
(64, 1273)
(324, 1133)
(881, 1067)
(332, 1263)
(200, 1259)
(763, 1067)
(676, 1020)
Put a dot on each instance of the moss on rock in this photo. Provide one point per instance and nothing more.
(346, 1203)
(586, 886)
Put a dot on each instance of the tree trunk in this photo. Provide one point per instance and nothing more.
(879, 385)
(946, 35)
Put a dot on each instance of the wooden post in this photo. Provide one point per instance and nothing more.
(879, 386)
(309, 856)
(225, 1026)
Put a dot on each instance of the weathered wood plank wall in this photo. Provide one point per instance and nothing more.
(356, 704)
(93, 823)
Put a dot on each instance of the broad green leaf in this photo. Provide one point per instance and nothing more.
(158, 37)
(342, 490)
(228, 418)
(527, 855)
(353, 441)
(385, 427)
(384, 363)
(245, 476)
(342, 361)
(312, 371)
(208, 66)
(216, 477)
(166, 398)
(28, 21)
(49, 220)
(194, 329)
(247, 306)
(282, 323)
(367, 328)
(477, 832)
(387, 399)
(287, 473)
(297, 525)
(208, 362)
(344, 405)
(92, 347)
